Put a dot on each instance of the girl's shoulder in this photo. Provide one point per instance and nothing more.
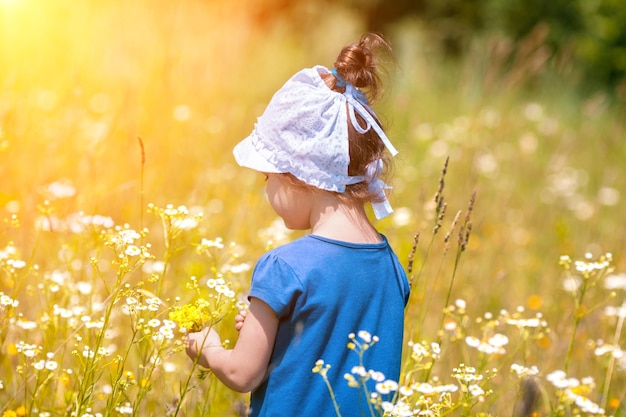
(297, 245)
(313, 246)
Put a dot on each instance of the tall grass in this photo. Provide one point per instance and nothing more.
(103, 234)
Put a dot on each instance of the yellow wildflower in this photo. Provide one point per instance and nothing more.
(193, 317)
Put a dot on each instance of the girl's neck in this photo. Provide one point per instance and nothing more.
(335, 219)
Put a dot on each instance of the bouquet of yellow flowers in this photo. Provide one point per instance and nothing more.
(192, 317)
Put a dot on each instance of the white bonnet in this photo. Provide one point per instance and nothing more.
(304, 132)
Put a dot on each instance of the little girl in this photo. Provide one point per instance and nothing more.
(322, 150)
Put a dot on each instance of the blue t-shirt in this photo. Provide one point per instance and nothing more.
(322, 290)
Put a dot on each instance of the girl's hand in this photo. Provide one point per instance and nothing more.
(200, 344)
(240, 318)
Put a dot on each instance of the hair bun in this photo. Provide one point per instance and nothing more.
(357, 64)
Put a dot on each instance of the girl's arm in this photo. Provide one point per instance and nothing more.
(244, 367)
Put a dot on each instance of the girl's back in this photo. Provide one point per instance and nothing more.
(323, 290)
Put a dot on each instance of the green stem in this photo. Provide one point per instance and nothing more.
(167, 256)
(88, 381)
(427, 301)
(609, 371)
(185, 388)
(143, 389)
(207, 400)
(447, 303)
(412, 301)
(116, 391)
(578, 315)
(449, 294)
(332, 394)
(363, 383)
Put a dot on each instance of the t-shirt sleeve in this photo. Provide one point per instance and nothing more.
(403, 281)
(275, 283)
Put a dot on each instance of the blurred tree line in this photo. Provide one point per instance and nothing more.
(586, 35)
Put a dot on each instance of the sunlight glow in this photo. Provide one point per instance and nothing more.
(9, 3)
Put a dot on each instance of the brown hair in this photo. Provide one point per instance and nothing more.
(358, 65)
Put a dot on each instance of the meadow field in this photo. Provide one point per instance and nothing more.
(124, 218)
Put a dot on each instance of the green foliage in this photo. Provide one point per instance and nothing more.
(588, 35)
(590, 32)
(601, 46)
